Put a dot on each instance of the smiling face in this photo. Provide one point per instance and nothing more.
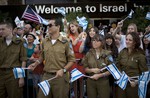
(109, 41)
(96, 44)
(73, 28)
(92, 32)
(130, 42)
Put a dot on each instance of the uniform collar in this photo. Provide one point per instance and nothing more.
(60, 38)
(15, 39)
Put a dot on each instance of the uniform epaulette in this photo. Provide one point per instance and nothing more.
(64, 40)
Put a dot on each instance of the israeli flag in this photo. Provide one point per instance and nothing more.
(18, 22)
(130, 14)
(122, 82)
(45, 87)
(145, 76)
(110, 58)
(82, 22)
(148, 16)
(62, 11)
(102, 32)
(19, 73)
(142, 88)
(75, 74)
(147, 36)
(114, 71)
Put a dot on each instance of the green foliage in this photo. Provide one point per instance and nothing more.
(72, 16)
(138, 18)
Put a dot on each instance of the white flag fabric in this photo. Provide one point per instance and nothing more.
(145, 76)
(148, 16)
(130, 14)
(114, 71)
(45, 87)
(75, 74)
(110, 58)
(82, 22)
(18, 22)
(19, 72)
(62, 11)
(142, 88)
(122, 82)
(147, 36)
(102, 32)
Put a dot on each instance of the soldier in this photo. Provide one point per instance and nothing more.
(59, 57)
(132, 61)
(12, 54)
(96, 59)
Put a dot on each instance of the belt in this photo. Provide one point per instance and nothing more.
(51, 73)
(5, 69)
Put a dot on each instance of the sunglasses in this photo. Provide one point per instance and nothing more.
(50, 25)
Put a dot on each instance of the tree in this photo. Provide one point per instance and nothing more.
(138, 18)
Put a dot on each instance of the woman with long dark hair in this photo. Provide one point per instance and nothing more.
(132, 61)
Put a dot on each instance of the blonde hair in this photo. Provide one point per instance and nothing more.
(74, 22)
(134, 25)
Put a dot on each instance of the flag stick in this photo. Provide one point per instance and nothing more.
(102, 69)
(51, 78)
(25, 68)
(125, 18)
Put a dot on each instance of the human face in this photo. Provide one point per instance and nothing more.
(30, 39)
(92, 32)
(73, 28)
(20, 31)
(96, 44)
(5, 31)
(146, 41)
(117, 41)
(52, 28)
(130, 29)
(109, 41)
(130, 42)
(27, 28)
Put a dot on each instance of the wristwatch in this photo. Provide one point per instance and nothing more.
(64, 70)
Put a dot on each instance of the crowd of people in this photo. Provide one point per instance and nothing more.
(52, 53)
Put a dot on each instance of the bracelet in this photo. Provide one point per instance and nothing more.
(38, 61)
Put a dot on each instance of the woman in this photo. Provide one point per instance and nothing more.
(86, 45)
(76, 38)
(132, 61)
(95, 59)
(111, 46)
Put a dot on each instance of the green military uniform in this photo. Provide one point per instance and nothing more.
(101, 86)
(56, 56)
(10, 56)
(133, 65)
